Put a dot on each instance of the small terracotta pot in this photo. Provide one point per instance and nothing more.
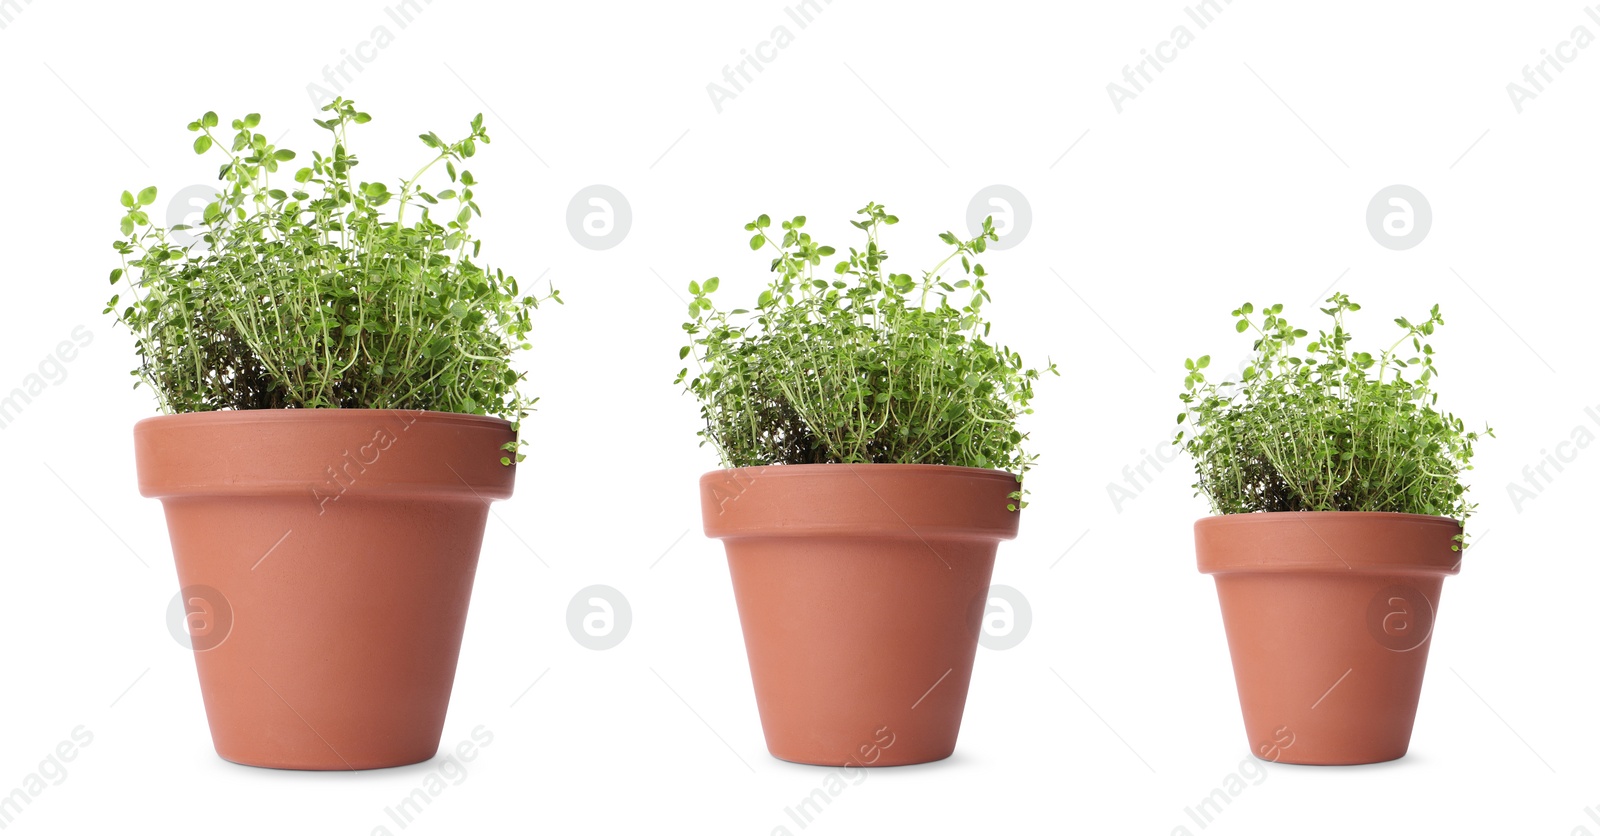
(861, 589)
(1329, 617)
(326, 558)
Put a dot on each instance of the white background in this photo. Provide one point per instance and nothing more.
(1242, 173)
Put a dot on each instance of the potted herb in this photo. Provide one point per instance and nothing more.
(340, 408)
(873, 463)
(1337, 484)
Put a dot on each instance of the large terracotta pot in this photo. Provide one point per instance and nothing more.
(326, 559)
(1329, 617)
(861, 589)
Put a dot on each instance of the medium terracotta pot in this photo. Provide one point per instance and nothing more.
(326, 559)
(861, 589)
(1329, 617)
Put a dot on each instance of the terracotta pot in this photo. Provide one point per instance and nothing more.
(1329, 617)
(326, 558)
(861, 589)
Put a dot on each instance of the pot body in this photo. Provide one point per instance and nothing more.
(1329, 617)
(860, 589)
(326, 560)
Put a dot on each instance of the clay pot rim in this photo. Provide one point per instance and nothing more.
(834, 467)
(1222, 562)
(953, 485)
(210, 474)
(290, 415)
(1259, 516)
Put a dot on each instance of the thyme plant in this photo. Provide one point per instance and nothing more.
(856, 364)
(320, 290)
(1327, 429)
